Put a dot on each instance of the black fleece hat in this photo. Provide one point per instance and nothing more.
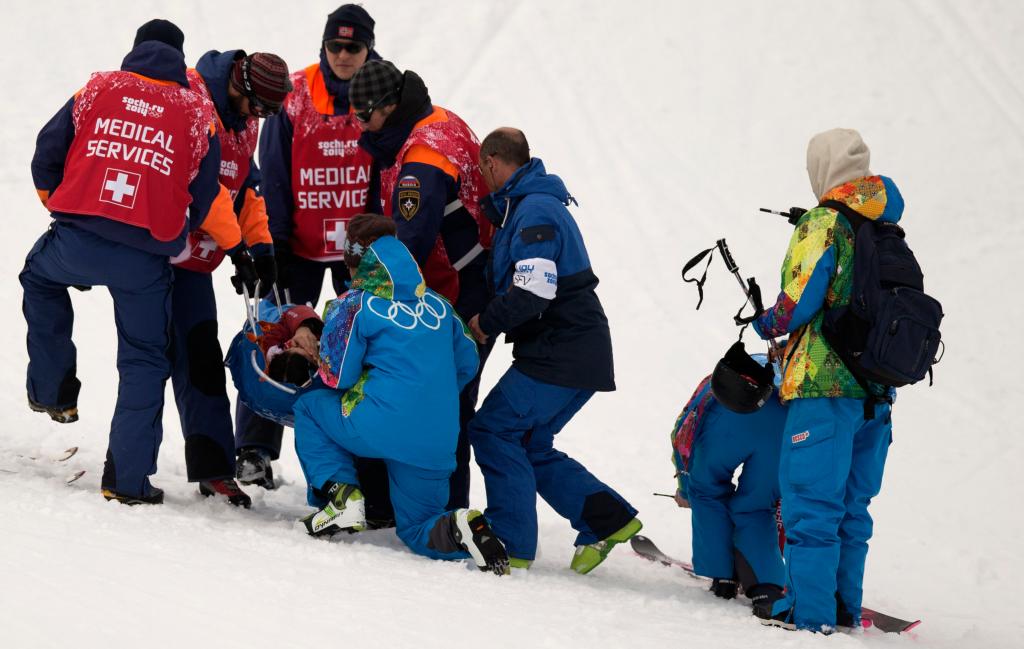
(161, 30)
(373, 82)
(352, 22)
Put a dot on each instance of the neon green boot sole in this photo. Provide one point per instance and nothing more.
(588, 557)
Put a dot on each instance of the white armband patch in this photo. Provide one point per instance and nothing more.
(538, 276)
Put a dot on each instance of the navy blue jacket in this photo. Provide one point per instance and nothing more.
(545, 299)
(157, 61)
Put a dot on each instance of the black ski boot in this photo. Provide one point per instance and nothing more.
(844, 619)
(254, 468)
(473, 534)
(763, 598)
(154, 497)
(724, 588)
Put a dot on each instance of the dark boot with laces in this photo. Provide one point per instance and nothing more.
(227, 488)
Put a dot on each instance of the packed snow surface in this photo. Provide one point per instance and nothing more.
(671, 122)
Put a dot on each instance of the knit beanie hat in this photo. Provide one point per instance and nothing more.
(362, 231)
(372, 82)
(836, 157)
(352, 22)
(161, 30)
(263, 76)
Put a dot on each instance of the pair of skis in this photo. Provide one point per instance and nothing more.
(66, 455)
(646, 548)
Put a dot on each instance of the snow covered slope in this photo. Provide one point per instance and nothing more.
(671, 122)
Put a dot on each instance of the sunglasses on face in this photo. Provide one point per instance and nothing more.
(352, 47)
(365, 114)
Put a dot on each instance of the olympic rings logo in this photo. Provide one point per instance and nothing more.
(429, 314)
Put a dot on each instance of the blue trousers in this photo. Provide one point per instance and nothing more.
(512, 437)
(199, 380)
(830, 468)
(730, 520)
(140, 285)
(327, 445)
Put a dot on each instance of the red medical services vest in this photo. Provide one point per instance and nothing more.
(330, 173)
(137, 147)
(444, 132)
(236, 151)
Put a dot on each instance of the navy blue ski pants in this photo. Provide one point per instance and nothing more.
(199, 380)
(140, 285)
(512, 437)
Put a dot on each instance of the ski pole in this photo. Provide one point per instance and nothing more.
(793, 215)
(672, 496)
(734, 268)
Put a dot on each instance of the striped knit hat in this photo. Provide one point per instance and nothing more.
(264, 77)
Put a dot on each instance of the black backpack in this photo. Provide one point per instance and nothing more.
(889, 332)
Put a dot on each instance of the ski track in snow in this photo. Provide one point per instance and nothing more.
(671, 122)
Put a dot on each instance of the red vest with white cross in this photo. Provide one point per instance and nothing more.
(330, 173)
(137, 147)
(445, 132)
(236, 151)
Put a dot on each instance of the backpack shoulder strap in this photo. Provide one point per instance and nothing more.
(852, 215)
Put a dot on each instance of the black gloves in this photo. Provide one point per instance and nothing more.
(266, 269)
(283, 257)
(245, 272)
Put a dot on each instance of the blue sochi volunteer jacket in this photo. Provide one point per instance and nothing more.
(401, 355)
(149, 59)
(545, 299)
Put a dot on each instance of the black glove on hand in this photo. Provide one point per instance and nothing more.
(245, 272)
(283, 258)
(266, 269)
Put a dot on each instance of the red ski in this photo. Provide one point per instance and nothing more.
(645, 547)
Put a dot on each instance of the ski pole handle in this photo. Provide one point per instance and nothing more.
(723, 248)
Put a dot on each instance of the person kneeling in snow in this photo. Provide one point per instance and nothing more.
(397, 355)
(732, 421)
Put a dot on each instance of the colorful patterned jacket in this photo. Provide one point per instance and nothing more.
(401, 355)
(816, 275)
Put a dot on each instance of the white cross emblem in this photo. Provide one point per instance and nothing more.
(120, 187)
(205, 247)
(334, 233)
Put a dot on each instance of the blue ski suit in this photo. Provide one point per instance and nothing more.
(547, 307)
(85, 251)
(734, 529)
(398, 355)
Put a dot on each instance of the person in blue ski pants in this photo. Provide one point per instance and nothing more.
(839, 427)
(546, 305)
(397, 355)
(735, 535)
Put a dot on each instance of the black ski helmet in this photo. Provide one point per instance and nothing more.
(740, 383)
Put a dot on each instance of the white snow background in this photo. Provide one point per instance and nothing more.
(671, 122)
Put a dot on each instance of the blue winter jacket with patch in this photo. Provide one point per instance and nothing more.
(545, 299)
